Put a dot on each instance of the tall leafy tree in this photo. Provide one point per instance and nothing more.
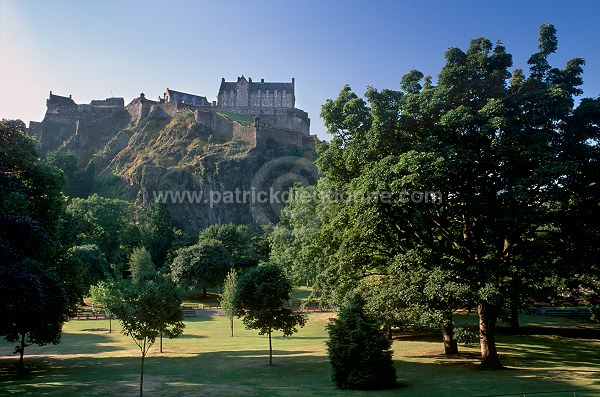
(497, 153)
(201, 265)
(107, 223)
(141, 266)
(243, 247)
(37, 288)
(261, 295)
(296, 240)
(157, 232)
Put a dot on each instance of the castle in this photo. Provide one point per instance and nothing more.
(270, 107)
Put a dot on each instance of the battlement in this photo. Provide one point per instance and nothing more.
(270, 105)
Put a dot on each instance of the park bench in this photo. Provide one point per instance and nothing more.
(189, 313)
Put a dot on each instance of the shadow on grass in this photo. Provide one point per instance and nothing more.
(245, 372)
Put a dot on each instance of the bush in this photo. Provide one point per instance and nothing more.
(360, 354)
(466, 336)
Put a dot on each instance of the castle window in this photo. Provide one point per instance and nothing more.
(275, 94)
(267, 93)
(283, 93)
(259, 93)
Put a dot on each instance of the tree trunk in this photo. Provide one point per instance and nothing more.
(231, 324)
(142, 370)
(487, 330)
(110, 323)
(22, 351)
(161, 334)
(450, 344)
(270, 350)
(204, 292)
(514, 318)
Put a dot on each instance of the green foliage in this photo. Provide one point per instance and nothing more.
(243, 248)
(227, 301)
(140, 265)
(157, 232)
(104, 222)
(38, 289)
(202, 265)
(261, 295)
(79, 181)
(146, 310)
(510, 163)
(465, 335)
(93, 264)
(296, 241)
(360, 355)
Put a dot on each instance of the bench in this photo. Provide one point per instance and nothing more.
(189, 313)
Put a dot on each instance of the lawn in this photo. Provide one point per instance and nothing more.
(554, 354)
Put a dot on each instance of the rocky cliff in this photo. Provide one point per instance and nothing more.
(145, 153)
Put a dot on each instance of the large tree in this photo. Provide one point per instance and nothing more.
(261, 295)
(38, 287)
(466, 174)
(202, 265)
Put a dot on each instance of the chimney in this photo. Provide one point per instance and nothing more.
(50, 93)
(70, 96)
(222, 80)
(262, 80)
(249, 79)
(293, 81)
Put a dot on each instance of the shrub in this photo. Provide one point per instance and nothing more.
(466, 336)
(360, 354)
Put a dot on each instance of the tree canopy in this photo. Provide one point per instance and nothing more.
(465, 182)
(261, 295)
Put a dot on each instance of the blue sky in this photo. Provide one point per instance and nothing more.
(95, 49)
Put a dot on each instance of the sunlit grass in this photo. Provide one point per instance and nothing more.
(205, 360)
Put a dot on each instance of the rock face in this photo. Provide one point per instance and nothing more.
(207, 168)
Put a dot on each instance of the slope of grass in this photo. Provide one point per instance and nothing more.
(206, 361)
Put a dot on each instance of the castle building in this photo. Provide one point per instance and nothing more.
(188, 99)
(247, 93)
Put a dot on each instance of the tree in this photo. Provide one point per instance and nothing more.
(79, 181)
(37, 294)
(202, 265)
(105, 295)
(261, 293)
(242, 246)
(93, 263)
(295, 240)
(157, 231)
(107, 223)
(140, 265)
(145, 310)
(360, 354)
(492, 159)
(228, 297)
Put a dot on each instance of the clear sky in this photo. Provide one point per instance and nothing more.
(95, 49)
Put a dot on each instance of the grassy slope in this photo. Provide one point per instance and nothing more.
(206, 361)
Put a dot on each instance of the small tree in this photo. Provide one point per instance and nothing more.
(105, 295)
(140, 265)
(228, 297)
(261, 294)
(145, 310)
(360, 354)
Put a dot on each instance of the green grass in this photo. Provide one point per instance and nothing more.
(553, 354)
(240, 118)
